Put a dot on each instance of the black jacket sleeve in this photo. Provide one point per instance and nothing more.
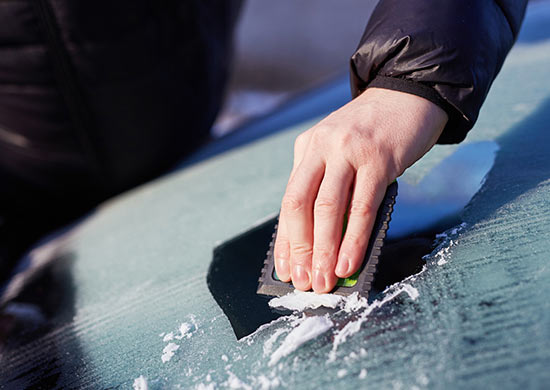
(447, 51)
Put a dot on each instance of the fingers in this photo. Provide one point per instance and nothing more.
(329, 209)
(297, 217)
(367, 195)
(281, 250)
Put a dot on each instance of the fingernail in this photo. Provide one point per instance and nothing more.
(300, 278)
(319, 281)
(284, 269)
(343, 266)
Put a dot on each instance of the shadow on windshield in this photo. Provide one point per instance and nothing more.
(36, 306)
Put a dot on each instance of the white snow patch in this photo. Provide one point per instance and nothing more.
(412, 291)
(225, 358)
(268, 345)
(208, 386)
(354, 302)
(301, 300)
(168, 352)
(310, 328)
(185, 331)
(363, 374)
(168, 337)
(266, 383)
(140, 383)
(342, 373)
(233, 382)
(354, 326)
(292, 319)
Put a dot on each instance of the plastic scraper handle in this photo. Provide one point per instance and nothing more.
(361, 281)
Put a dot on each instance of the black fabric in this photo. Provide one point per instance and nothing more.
(455, 47)
(150, 76)
(99, 96)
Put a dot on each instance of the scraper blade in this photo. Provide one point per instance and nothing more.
(362, 280)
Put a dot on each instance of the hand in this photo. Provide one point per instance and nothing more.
(346, 162)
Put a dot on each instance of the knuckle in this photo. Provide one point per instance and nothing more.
(323, 258)
(354, 242)
(362, 208)
(301, 253)
(300, 142)
(346, 140)
(321, 134)
(293, 203)
(281, 249)
(326, 206)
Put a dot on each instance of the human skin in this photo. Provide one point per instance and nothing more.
(347, 161)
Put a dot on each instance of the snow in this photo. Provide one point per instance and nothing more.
(168, 337)
(301, 300)
(233, 382)
(353, 327)
(168, 352)
(140, 383)
(310, 328)
(268, 345)
(185, 331)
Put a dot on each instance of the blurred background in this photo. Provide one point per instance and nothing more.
(285, 47)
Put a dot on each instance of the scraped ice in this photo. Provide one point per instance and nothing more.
(168, 352)
(203, 386)
(353, 327)
(342, 373)
(412, 291)
(363, 374)
(233, 382)
(268, 345)
(301, 300)
(354, 302)
(168, 337)
(310, 328)
(266, 383)
(140, 383)
(185, 331)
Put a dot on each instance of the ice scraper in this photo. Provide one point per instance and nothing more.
(362, 280)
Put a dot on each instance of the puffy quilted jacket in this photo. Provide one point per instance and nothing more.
(98, 96)
(448, 51)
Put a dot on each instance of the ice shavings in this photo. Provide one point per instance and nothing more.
(446, 241)
(266, 383)
(168, 337)
(354, 302)
(168, 352)
(308, 329)
(363, 374)
(301, 300)
(268, 345)
(353, 327)
(233, 382)
(207, 386)
(185, 331)
(140, 383)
